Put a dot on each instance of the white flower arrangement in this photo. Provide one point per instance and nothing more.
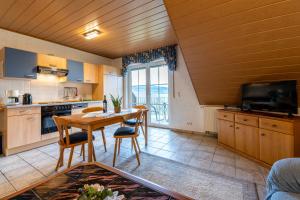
(98, 192)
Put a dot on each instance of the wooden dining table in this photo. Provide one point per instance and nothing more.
(96, 120)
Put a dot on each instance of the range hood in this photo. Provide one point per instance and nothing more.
(52, 70)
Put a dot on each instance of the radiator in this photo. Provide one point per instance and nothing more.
(210, 118)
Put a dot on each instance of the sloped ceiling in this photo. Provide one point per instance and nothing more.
(226, 43)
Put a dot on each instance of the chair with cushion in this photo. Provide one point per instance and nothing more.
(133, 122)
(67, 140)
(96, 109)
(283, 181)
(128, 132)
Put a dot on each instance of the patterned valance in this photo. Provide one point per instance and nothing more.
(167, 52)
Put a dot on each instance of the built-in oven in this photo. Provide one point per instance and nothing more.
(48, 125)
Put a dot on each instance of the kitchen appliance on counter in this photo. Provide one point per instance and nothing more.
(48, 124)
(27, 99)
(12, 97)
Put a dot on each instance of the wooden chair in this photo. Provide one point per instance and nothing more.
(67, 140)
(133, 122)
(128, 132)
(95, 109)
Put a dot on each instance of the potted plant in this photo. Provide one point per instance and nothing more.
(117, 103)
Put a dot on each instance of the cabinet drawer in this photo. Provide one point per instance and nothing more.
(23, 111)
(276, 125)
(247, 120)
(226, 116)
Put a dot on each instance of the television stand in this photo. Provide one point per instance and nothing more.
(262, 137)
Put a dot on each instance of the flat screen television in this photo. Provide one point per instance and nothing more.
(278, 96)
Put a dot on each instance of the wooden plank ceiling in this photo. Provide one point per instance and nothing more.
(128, 26)
(226, 43)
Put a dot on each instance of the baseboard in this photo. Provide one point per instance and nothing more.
(15, 150)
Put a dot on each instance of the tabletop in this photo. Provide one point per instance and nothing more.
(99, 117)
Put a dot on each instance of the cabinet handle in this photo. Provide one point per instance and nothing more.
(30, 118)
(225, 115)
(262, 134)
(29, 76)
(237, 127)
(245, 120)
(274, 125)
(22, 111)
(231, 126)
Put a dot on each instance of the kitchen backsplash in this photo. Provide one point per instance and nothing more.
(44, 88)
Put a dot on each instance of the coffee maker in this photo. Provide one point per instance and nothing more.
(12, 97)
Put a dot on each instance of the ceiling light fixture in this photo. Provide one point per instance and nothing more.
(91, 34)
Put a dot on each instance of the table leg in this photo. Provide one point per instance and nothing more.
(90, 144)
(146, 128)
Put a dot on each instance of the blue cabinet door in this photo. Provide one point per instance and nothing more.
(19, 63)
(75, 71)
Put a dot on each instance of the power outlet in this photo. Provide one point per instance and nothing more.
(189, 123)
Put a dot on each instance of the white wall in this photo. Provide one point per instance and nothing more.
(185, 111)
(19, 41)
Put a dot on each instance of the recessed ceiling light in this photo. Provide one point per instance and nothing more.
(91, 34)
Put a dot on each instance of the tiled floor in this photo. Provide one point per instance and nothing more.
(23, 169)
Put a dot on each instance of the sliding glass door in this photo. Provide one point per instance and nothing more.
(159, 94)
(149, 86)
(138, 87)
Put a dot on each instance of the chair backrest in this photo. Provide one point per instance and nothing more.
(141, 107)
(92, 109)
(63, 130)
(138, 118)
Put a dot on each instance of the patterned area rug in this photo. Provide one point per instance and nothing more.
(193, 182)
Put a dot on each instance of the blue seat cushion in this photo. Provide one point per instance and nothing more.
(123, 131)
(130, 122)
(77, 137)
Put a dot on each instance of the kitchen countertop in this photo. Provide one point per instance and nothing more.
(44, 104)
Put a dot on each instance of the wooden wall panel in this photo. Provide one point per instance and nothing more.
(226, 43)
(128, 26)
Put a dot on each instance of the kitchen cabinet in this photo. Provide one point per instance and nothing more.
(23, 130)
(275, 146)
(247, 140)
(98, 88)
(75, 71)
(110, 70)
(51, 61)
(90, 73)
(226, 132)
(18, 63)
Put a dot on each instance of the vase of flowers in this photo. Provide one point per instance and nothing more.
(98, 192)
(117, 102)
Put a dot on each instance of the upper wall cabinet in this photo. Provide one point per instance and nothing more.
(112, 70)
(75, 71)
(18, 63)
(51, 61)
(90, 73)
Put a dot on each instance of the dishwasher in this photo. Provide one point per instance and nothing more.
(78, 107)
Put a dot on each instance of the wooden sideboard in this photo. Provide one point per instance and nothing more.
(264, 138)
